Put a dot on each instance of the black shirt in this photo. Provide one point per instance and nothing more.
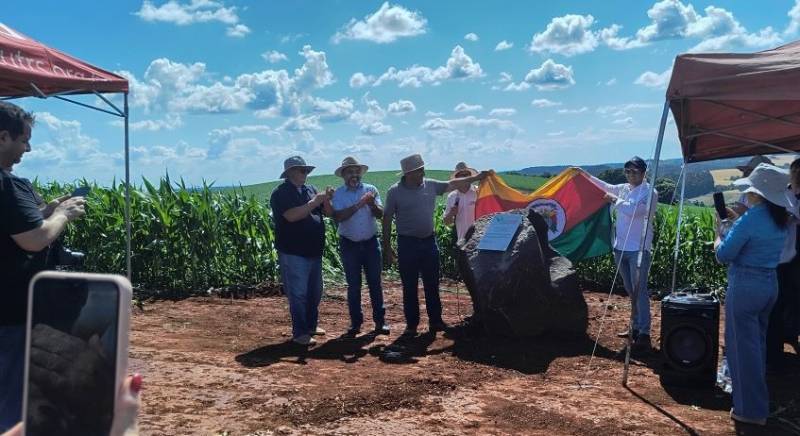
(301, 238)
(19, 213)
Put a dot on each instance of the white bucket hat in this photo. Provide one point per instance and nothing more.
(769, 182)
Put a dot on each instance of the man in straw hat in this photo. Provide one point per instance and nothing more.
(411, 203)
(460, 207)
(752, 249)
(356, 205)
(297, 210)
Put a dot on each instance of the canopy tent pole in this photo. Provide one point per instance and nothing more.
(678, 230)
(127, 191)
(636, 290)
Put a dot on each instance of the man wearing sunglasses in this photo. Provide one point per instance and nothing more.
(629, 202)
(297, 210)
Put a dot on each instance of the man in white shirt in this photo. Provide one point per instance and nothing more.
(629, 202)
(460, 208)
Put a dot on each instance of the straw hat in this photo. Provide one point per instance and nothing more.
(411, 163)
(769, 182)
(753, 162)
(462, 167)
(350, 161)
(295, 162)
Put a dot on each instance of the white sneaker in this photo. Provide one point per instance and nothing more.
(304, 340)
(319, 332)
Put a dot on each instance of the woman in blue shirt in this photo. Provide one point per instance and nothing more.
(752, 250)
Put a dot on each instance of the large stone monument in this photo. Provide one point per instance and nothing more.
(526, 290)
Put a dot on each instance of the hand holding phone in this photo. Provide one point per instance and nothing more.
(719, 205)
(76, 352)
(81, 191)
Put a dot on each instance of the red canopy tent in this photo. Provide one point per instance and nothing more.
(737, 104)
(729, 105)
(29, 68)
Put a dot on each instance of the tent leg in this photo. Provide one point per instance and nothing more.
(127, 192)
(678, 230)
(636, 290)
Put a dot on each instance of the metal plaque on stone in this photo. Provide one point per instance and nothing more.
(500, 232)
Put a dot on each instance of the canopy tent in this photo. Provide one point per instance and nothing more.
(737, 104)
(29, 68)
(728, 105)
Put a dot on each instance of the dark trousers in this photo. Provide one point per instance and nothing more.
(419, 257)
(366, 256)
(784, 320)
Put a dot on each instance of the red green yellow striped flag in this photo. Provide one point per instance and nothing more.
(578, 217)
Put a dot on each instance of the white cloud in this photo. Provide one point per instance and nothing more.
(505, 78)
(619, 110)
(274, 56)
(171, 122)
(196, 11)
(332, 111)
(433, 114)
(794, 19)
(610, 37)
(302, 123)
(401, 107)
(503, 45)
(573, 111)
(359, 80)
(471, 37)
(612, 81)
(568, 35)
(386, 25)
(543, 102)
(654, 80)
(627, 121)
(502, 112)
(550, 76)
(464, 107)
(376, 128)
(458, 66)
(470, 121)
(558, 133)
(518, 87)
(718, 29)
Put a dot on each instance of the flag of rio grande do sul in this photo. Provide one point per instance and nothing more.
(577, 216)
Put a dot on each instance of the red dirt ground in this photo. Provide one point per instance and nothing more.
(224, 366)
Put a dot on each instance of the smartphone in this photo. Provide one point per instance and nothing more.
(719, 205)
(76, 352)
(81, 191)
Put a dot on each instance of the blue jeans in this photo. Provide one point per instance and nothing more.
(751, 294)
(640, 298)
(417, 257)
(302, 282)
(12, 369)
(356, 256)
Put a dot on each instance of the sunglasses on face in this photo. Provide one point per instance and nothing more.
(632, 171)
(303, 170)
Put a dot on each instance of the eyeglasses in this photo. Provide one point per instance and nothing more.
(303, 170)
(632, 171)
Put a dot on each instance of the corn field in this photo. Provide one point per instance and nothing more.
(186, 240)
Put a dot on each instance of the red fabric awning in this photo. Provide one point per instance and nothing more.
(24, 61)
(731, 105)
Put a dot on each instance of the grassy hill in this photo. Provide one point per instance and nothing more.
(383, 180)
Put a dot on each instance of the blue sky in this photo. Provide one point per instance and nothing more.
(225, 90)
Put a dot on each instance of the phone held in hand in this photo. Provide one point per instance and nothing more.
(76, 352)
(81, 191)
(719, 205)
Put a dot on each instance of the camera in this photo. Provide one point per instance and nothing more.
(60, 256)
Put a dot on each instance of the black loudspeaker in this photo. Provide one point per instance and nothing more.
(689, 339)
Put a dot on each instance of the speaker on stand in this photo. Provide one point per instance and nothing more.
(689, 339)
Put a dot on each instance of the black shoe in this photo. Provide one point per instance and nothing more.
(410, 331)
(352, 332)
(381, 329)
(438, 326)
(642, 346)
(624, 334)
